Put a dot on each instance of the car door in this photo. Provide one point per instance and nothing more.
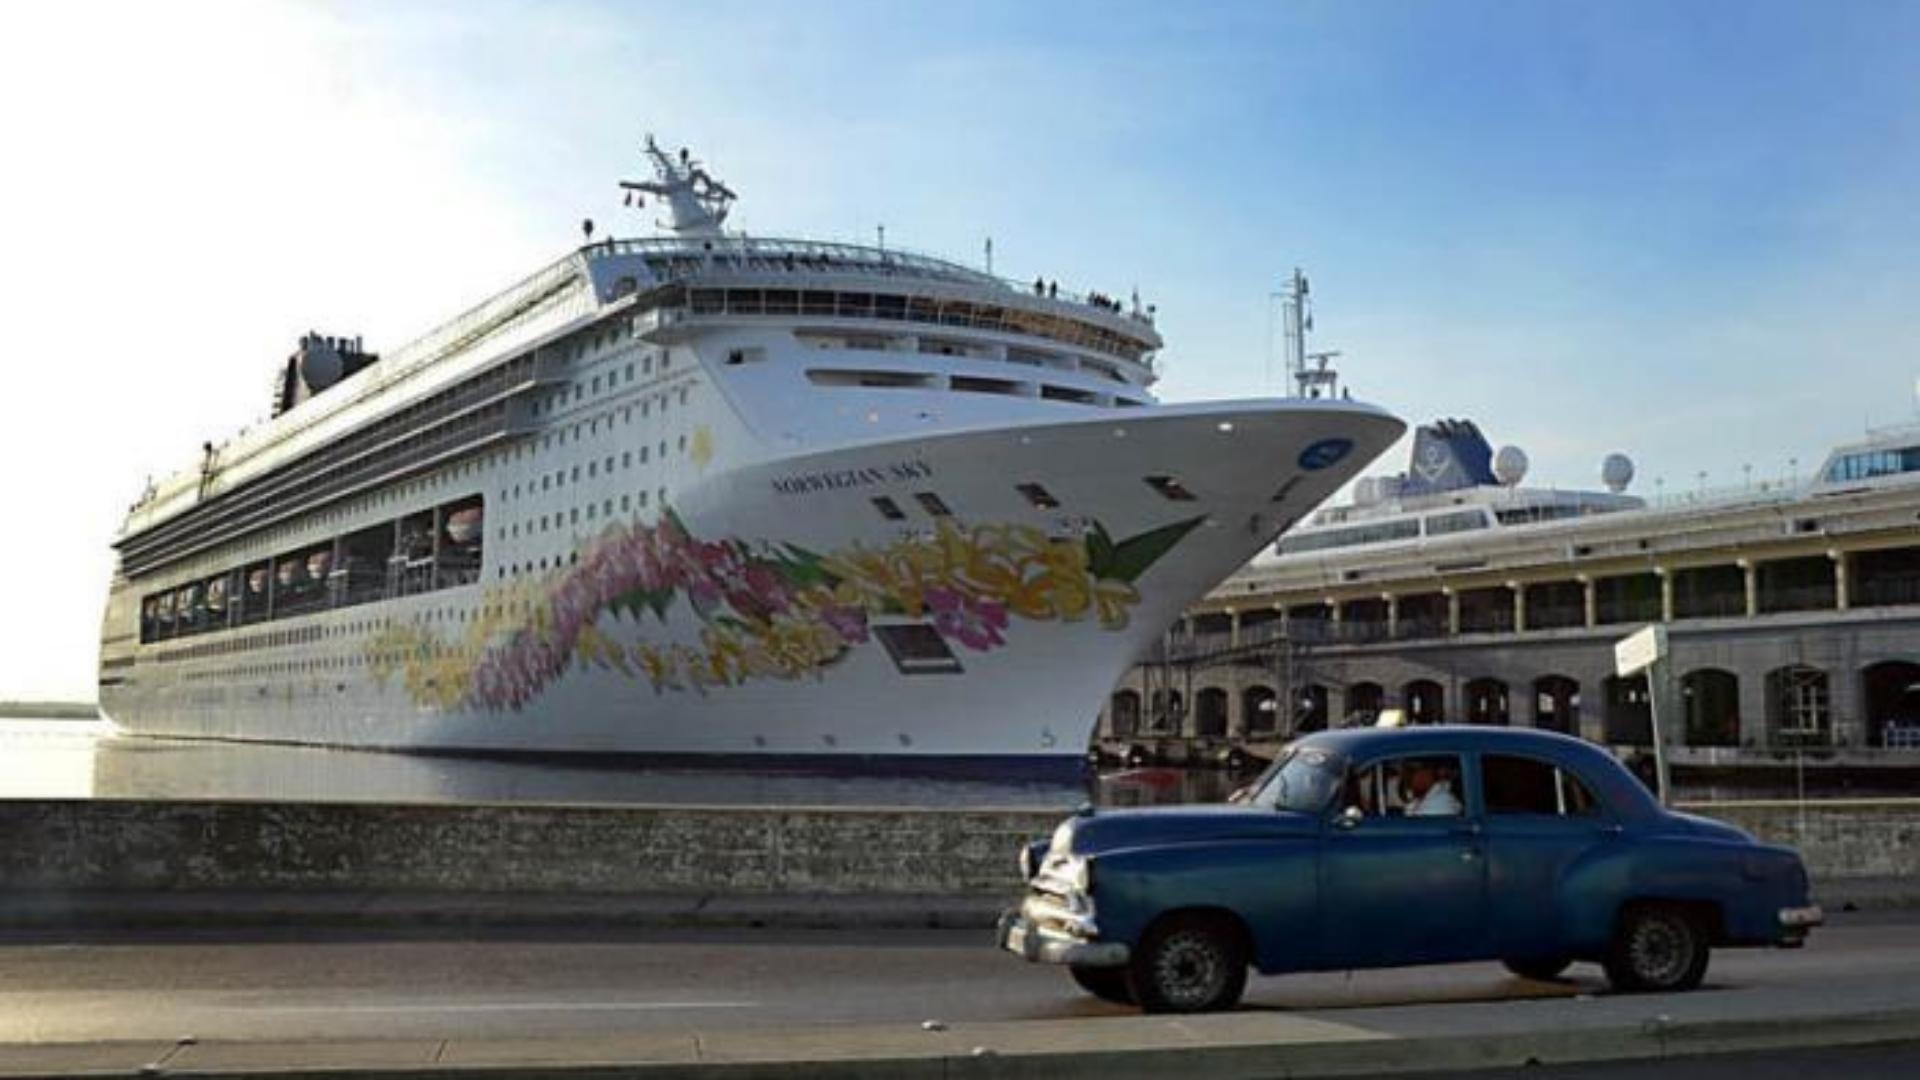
(1540, 819)
(1402, 881)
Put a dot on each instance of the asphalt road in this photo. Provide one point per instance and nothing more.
(287, 986)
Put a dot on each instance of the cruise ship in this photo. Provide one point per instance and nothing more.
(709, 495)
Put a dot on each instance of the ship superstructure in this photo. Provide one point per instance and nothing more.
(707, 494)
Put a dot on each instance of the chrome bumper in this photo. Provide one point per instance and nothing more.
(1801, 918)
(1038, 942)
(1795, 922)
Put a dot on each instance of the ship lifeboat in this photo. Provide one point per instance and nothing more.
(257, 581)
(288, 573)
(464, 526)
(317, 564)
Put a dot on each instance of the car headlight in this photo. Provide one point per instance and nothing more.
(1062, 841)
(1078, 873)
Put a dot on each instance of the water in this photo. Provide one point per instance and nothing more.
(88, 759)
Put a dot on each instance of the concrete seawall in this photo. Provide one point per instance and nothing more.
(140, 845)
(54, 845)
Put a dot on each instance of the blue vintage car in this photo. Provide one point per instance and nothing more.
(1386, 847)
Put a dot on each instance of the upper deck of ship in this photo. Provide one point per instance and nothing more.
(697, 275)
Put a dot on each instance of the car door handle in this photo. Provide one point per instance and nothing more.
(1468, 828)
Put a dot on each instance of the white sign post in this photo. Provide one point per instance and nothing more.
(1640, 651)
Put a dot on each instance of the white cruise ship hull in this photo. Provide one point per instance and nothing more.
(789, 644)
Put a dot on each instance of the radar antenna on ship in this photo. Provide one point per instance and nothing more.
(697, 204)
(1311, 376)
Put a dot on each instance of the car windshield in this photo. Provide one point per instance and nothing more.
(1304, 778)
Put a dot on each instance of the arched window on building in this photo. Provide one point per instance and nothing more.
(1310, 708)
(1799, 707)
(1629, 711)
(1364, 702)
(1710, 707)
(1123, 714)
(1260, 705)
(1487, 702)
(1210, 713)
(1167, 711)
(1426, 701)
(1892, 694)
(1556, 704)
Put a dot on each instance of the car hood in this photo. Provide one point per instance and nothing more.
(1696, 825)
(1112, 830)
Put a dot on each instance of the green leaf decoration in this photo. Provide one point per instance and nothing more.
(1100, 551)
(1132, 556)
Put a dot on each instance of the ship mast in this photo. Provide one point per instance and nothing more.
(1311, 376)
(696, 203)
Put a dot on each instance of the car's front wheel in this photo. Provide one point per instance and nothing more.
(1542, 968)
(1105, 983)
(1657, 948)
(1189, 963)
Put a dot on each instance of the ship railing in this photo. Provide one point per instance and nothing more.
(676, 259)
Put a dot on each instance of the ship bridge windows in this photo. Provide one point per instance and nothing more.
(1867, 464)
(896, 307)
(1456, 521)
(1375, 533)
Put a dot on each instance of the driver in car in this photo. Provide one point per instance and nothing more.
(1432, 793)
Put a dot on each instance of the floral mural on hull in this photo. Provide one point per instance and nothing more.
(765, 611)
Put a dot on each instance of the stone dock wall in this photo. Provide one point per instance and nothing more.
(253, 846)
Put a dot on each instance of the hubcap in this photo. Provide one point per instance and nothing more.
(1661, 949)
(1189, 969)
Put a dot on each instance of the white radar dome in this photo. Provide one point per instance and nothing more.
(1510, 465)
(1616, 472)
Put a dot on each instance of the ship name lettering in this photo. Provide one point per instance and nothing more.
(841, 479)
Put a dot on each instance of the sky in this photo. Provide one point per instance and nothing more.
(1684, 229)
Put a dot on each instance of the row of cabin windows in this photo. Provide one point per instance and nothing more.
(202, 618)
(584, 388)
(577, 348)
(436, 548)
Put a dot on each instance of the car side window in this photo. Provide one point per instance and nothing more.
(1423, 785)
(1518, 785)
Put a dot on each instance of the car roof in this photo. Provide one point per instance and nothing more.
(1617, 786)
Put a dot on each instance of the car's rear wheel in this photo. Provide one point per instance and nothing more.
(1657, 948)
(1189, 963)
(1105, 983)
(1538, 967)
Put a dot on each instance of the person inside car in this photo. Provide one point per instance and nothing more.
(1432, 793)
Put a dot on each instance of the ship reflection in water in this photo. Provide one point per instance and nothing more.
(72, 759)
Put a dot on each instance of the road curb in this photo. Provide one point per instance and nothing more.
(1222, 1046)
